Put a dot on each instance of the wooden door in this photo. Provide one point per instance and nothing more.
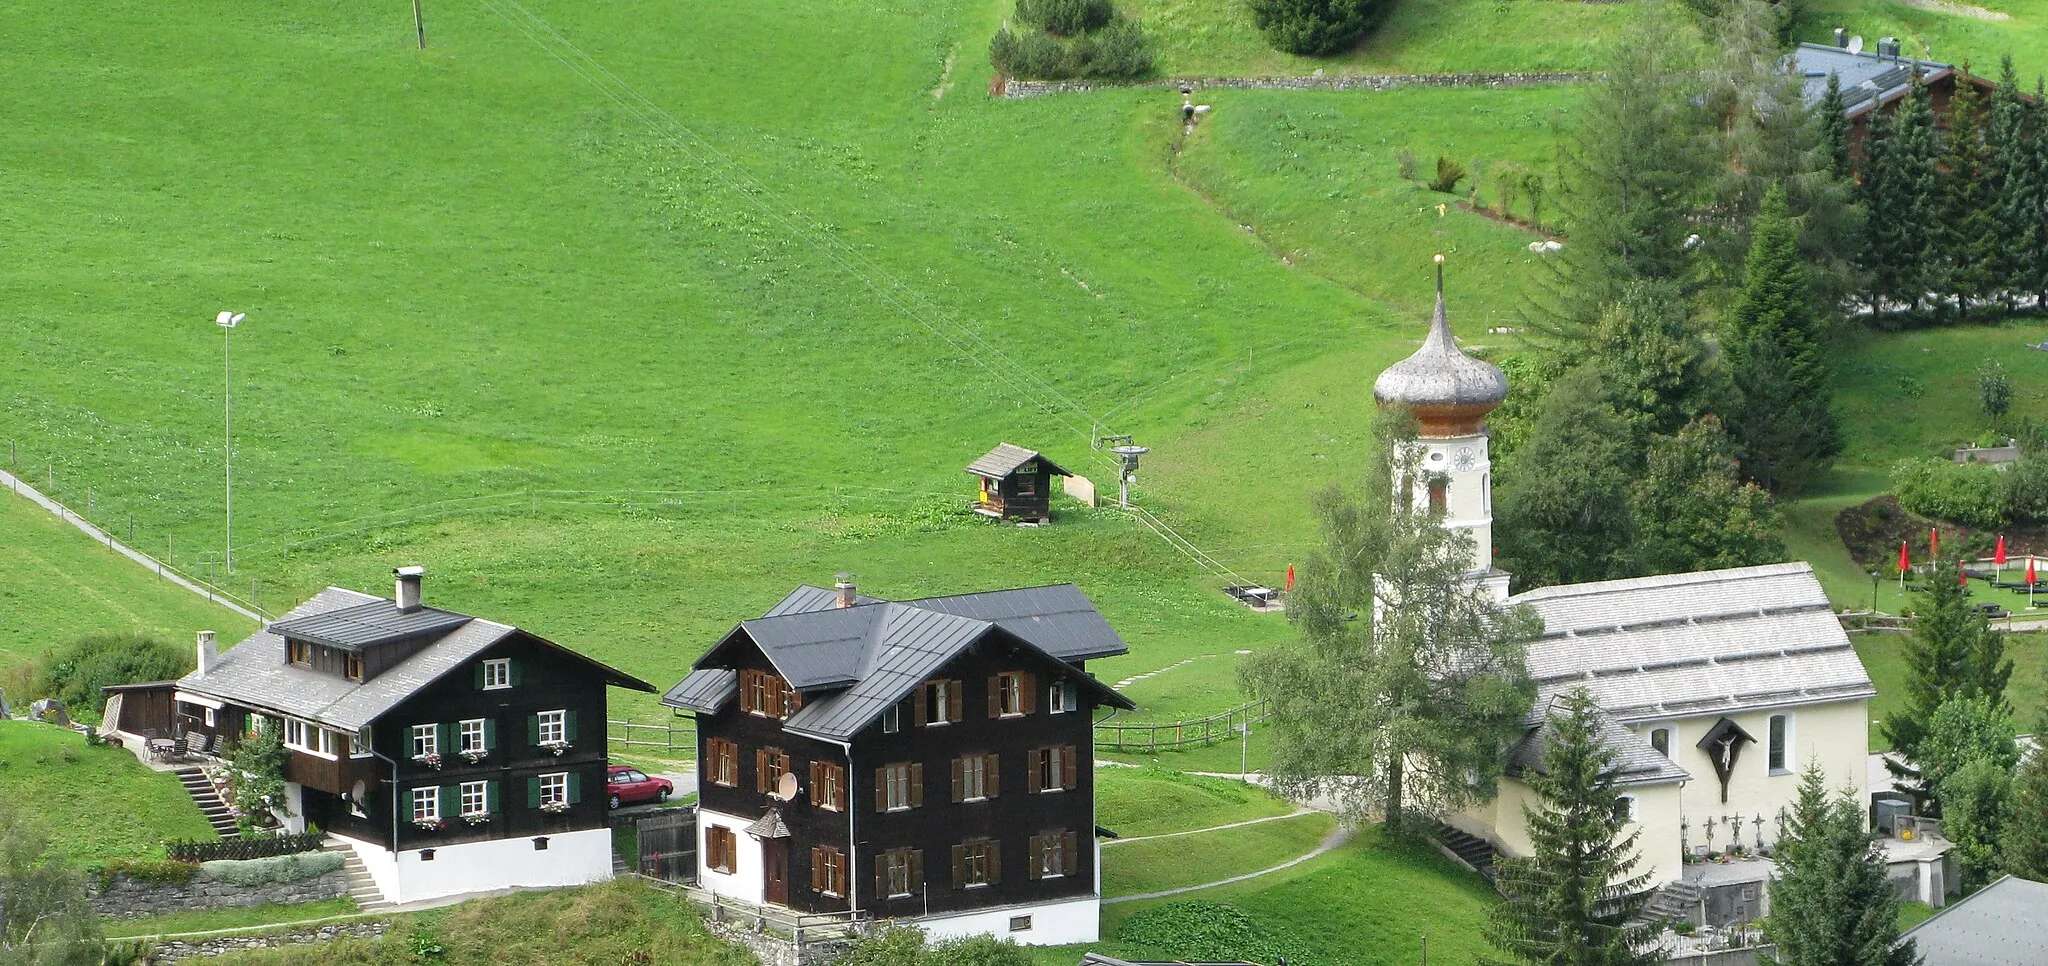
(775, 861)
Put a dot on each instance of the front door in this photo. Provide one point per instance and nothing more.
(775, 859)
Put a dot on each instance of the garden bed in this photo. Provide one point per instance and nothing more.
(1873, 530)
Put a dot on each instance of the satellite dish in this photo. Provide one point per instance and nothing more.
(356, 794)
(785, 788)
(1856, 45)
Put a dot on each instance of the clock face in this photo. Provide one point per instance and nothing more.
(1466, 459)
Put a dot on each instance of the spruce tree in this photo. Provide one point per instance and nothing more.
(1952, 653)
(1831, 117)
(1967, 229)
(1887, 261)
(1569, 902)
(2036, 163)
(1776, 349)
(1655, 363)
(1563, 504)
(1694, 512)
(2017, 199)
(2024, 846)
(1915, 196)
(1832, 903)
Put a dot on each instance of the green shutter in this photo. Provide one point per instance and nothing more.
(446, 734)
(512, 666)
(451, 801)
(490, 734)
(575, 788)
(479, 675)
(533, 792)
(569, 725)
(491, 797)
(533, 729)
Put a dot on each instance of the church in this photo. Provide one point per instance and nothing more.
(1717, 687)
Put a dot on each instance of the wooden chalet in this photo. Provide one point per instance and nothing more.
(1016, 484)
(1875, 80)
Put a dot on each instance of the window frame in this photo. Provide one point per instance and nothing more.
(892, 719)
(500, 670)
(554, 787)
(828, 786)
(724, 756)
(829, 871)
(721, 850)
(938, 697)
(975, 852)
(552, 726)
(298, 653)
(359, 744)
(1660, 741)
(1778, 744)
(1625, 809)
(463, 732)
(430, 797)
(896, 787)
(431, 734)
(896, 863)
(352, 666)
(1010, 694)
(974, 778)
(483, 798)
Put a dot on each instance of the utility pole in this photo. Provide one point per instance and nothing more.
(227, 322)
(419, 25)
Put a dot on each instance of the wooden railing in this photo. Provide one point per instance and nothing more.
(670, 737)
(797, 927)
(1113, 735)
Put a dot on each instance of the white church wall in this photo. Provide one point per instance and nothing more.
(1657, 810)
(1835, 734)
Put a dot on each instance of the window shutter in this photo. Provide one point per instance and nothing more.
(1028, 692)
(451, 800)
(1069, 767)
(817, 868)
(479, 675)
(761, 770)
(918, 699)
(512, 666)
(569, 724)
(995, 862)
(882, 789)
(490, 734)
(882, 876)
(954, 704)
(1037, 855)
(959, 764)
(1032, 759)
(446, 734)
(817, 783)
(533, 729)
(995, 695)
(960, 867)
(1070, 857)
(533, 792)
(491, 797)
(917, 870)
(917, 784)
(988, 776)
(575, 789)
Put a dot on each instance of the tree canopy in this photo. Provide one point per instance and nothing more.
(1832, 903)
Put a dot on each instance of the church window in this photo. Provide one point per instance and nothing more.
(1625, 808)
(1781, 726)
(1486, 494)
(1660, 739)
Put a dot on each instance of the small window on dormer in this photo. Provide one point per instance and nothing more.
(299, 653)
(354, 666)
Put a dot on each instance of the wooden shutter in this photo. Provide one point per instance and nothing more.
(882, 863)
(491, 797)
(995, 861)
(533, 729)
(817, 868)
(882, 789)
(988, 776)
(1028, 692)
(512, 666)
(1037, 855)
(533, 792)
(919, 698)
(761, 770)
(959, 765)
(1069, 768)
(960, 867)
(575, 788)
(1032, 765)
(446, 734)
(817, 783)
(479, 675)
(995, 695)
(954, 705)
(916, 870)
(569, 725)
(917, 784)
(490, 734)
(1070, 857)
(451, 801)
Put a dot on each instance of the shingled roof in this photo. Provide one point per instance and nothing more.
(256, 675)
(2002, 924)
(1635, 761)
(877, 651)
(1696, 643)
(1004, 460)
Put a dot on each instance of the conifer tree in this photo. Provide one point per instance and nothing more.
(1887, 262)
(1952, 653)
(1694, 512)
(2017, 200)
(1777, 352)
(2035, 276)
(1967, 235)
(1916, 191)
(1654, 361)
(1832, 119)
(1562, 505)
(2024, 846)
(1832, 903)
(1569, 902)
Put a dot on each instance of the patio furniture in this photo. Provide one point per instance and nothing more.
(163, 749)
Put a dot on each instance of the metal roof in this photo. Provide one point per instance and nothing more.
(1004, 460)
(1440, 373)
(878, 652)
(1868, 78)
(255, 673)
(1635, 761)
(1697, 643)
(376, 621)
(2002, 924)
(807, 598)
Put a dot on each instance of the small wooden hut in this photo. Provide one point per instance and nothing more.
(1016, 484)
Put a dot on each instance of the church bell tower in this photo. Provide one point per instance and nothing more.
(1450, 395)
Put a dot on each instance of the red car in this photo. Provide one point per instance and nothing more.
(629, 786)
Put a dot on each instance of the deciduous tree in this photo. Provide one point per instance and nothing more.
(1406, 680)
(44, 917)
(1694, 512)
(1563, 504)
(2024, 848)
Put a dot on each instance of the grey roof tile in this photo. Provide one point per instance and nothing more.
(1635, 761)
(1004, 460)
(373, 622)
(2002, 924)
(705, 689)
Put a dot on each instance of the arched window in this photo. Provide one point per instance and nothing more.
(1660, 739)
(1781, 739)
(1486, 494)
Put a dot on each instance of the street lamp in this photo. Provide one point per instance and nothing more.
(227, 322)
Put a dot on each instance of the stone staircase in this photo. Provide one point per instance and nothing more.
(216, 811)
(1474, 852)
(361, 887)
(1674, 902)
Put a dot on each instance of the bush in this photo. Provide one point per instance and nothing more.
(75, 673)
(1970, 494)
(2026, 490)
(1448, 173)
(1404, 163)
(1119, 51)
(1210, 932)
(1314, 28)
(153, 871)
(1066, 18)
(1994, 390)
(280, 869)
(905, 946)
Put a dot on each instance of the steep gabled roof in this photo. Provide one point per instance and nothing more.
(1696, 643)
(255, 673)
(1059, 619)
(1635, 761)
(1004, 460)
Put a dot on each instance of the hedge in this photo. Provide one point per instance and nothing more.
(1970, 494)
(280, 869)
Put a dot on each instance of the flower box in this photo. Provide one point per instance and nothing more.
(557, 747)
(429, 824)
(555, 808)
(475, 757)
(430, 759)
(477, 818)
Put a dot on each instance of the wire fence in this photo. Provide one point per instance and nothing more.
(1229, 725)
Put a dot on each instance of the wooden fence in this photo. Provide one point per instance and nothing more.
(1116, 736)
(260, 847)
(671, 737)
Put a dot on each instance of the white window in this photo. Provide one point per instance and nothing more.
(426, 804)
(330, 742)
(476, 798)
(1625, 808)
(1065, 697)
(973, 778)
(552, 727)
(426, 740)
(892, 719)
(473, 735)
(359, 744)
(497, 673)
(554, 789)
(209, 717)
(1780, 754)
(294, 733)
(1660, 739)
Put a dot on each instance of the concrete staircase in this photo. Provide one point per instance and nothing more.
(1674, 902)
(1474, 852)
(216, 811)
(361, 887)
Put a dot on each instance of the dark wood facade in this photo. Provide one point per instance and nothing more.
(935, 824)
(1020, 489)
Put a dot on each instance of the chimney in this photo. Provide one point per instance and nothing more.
(847, 596)
(1841, 37)
(1888, 47)
(409, 588)
(207, 653)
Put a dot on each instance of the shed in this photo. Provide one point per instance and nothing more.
(140, 709)
(1016, 484)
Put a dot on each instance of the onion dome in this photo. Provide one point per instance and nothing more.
(1448, 392)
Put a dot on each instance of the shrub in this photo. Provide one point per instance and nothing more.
(1208, 931)
(2026, 490)
(1313, 28)
(153, 871)
(280, 869)
(1970, 494)
(1404, 163)
(1066, 18)
(1448, 173)
(75, 673)
(1119, 50)
(1994, 390)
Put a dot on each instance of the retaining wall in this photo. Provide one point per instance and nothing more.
(126, 898)
(171, 951)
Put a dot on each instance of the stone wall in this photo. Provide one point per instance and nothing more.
(775, 950)
(1320, 82)
(125, 898)
(171, 951)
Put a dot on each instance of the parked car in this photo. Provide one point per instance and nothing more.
(629, 786)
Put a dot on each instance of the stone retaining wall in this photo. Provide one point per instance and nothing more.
(1325, 82)
(774, 950)
(126, 898)
(171, 951)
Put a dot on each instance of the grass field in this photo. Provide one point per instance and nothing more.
(95, 803)
(208, 919)
(1149, 801)
(1186, 860)
(1217, 38)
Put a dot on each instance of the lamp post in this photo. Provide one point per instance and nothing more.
(227, 322)
(1875, 577)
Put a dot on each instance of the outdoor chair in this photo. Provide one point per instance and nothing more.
(196, 745)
